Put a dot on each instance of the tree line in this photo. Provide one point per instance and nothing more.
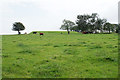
(89, 23)
(84, 23)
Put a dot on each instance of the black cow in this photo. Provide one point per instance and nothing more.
(34, 32)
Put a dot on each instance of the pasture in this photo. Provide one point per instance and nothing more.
(56, 55)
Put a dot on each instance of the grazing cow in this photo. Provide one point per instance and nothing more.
(41, 34)
(25, 33)
(87, 32)
(34, 32)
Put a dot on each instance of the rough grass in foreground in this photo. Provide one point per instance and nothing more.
(56, 55)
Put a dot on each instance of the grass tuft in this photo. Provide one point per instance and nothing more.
(55, 46)
(26, 51)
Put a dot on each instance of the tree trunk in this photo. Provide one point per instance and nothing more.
(18, 32)
(101, 31)
(109, 31)
(68, 32)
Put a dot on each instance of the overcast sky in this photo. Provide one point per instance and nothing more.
(47, 15)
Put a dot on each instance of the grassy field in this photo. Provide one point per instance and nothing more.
(56, 55)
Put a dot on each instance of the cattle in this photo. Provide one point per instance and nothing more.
(87, 32)
(41, 33)
(34, 32)
(25, 33)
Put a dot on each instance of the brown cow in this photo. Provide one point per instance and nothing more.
(41, 33)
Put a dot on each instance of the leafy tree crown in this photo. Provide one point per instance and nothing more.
(18, 26)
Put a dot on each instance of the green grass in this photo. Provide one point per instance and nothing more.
(56, 55)
(0, 57)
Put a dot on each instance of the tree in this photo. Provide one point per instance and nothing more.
(115, 27)
(100, 23)
(90, 23)
(87, 22)
(18, 26)
(118, 28)
(75, 28)
(67, 25)
(108, 26)
(82, 22)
